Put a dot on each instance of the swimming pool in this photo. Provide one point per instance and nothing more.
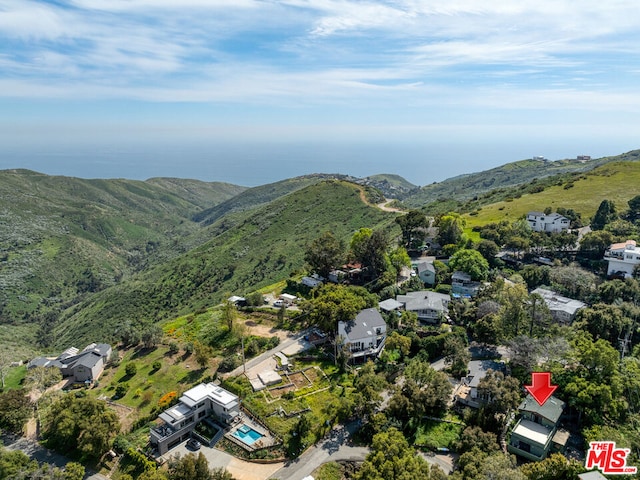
(247, 434)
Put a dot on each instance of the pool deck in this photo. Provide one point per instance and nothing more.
(267, 440)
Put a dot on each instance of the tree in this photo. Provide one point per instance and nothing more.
(190, 467)
(554, 467)
(488, 249)
(358, 244)
(399, 258)
(41, 378)
(514, 314)
(414, 226)
(633, 214)
(456, 355)
(229, 314)
(475, 437)
(15, 410)
(151, 335)
(131, 369)
(81, 423)
(334, 303)
(605, 214)
(203, 353)
(450, 228)
(391, 458)
(603, 321)
(573, 281)
(596, 242)
(325, 253)
(74, 471)
(470, 262)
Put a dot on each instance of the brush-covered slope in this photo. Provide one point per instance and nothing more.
(616, 181)
(64, 237)
(392, 186)
(470, 185)
(261, 249)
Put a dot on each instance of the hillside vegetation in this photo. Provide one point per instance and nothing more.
(62, 238)
(617, 181)
(263, 248)
(511, 174)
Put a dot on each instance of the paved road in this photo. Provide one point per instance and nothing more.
(266, 355)
(336, 447)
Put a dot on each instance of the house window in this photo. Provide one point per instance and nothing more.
(202, 414)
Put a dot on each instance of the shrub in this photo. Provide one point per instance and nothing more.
(167, 399)
(173, 348)
(122, 389)
(131, 369)
(156, 365)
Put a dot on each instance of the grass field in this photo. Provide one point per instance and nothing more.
(616, 181)
(432, 434)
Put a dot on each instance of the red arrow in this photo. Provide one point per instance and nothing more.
(541, 388)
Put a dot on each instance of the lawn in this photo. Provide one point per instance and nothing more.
(432, 434)
(14, 377)
(583, 195)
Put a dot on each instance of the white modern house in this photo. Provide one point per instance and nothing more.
(177, 422)
(623, 258)
(552, 223)
(563, 309)
(365, 335)
(431, 307)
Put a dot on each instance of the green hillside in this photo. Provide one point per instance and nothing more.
(617, 181)
(264, 247)
(393, 186)
(468, 186)
(62, 238)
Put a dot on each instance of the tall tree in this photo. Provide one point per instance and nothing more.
(605, 214)
(325, 253)
(15, 410)
(414, 226)
(229, 314)
(450, 228)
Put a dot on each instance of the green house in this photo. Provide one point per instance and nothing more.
(536, 432)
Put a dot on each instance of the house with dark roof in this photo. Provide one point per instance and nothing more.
(431, 307)
(364, 336)
(80, 366)
(536, 433)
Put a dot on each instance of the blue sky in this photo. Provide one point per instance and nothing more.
(254, 91)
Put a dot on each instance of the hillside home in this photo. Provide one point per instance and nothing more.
(426, 272)
(467, 391)
(431, 307)
(313, 281)
(536, 432)
(563, 310)
(177, 423)
(79, 366)
(623, 259)
(364, 336)
(552, 223)
(462, 285)
(390, 305)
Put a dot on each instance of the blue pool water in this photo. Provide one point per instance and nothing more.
(247, 434)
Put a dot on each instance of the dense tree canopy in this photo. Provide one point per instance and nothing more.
(392, 458)
(334, 303)
(325, 253)
(15, 410)
(84, 424)
(470, 262)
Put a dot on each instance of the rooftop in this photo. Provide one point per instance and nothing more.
(551, 410)
(389, 305)
(424, 300)
(203, 391)
(532, 431)
(364, 324)
(558, 302)
(478, 370)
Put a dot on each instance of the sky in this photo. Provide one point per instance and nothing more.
(253, 91)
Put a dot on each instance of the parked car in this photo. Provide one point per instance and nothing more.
(193, 444)
(278, 303)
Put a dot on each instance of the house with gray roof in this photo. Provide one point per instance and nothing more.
(463, 285)
(389, 305)
(431, 307)
(536, 432)
(80, 366)
(467, 391)
(426, 272)
(364, 336)
(563, 309)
